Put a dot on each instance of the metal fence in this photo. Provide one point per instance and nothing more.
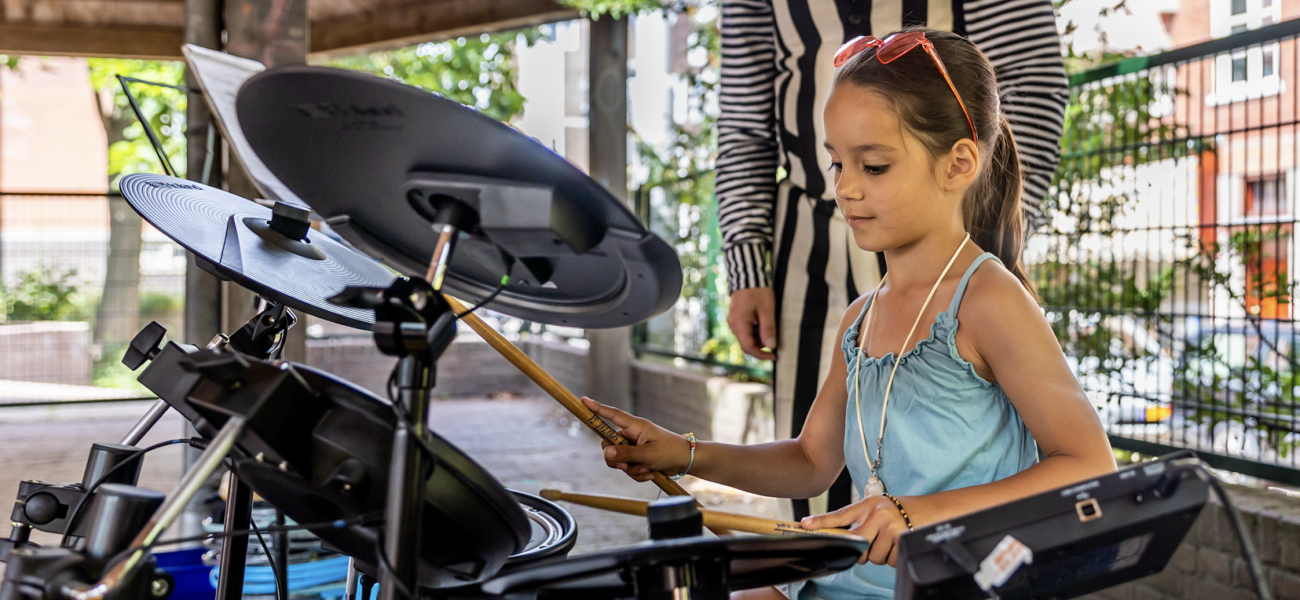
(1165, 268)
(695, 328)
(79, 275)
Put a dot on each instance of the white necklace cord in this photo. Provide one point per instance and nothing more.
(898, 358)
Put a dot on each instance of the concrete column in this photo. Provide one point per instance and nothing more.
(610, 358)
(203, 296)
(203, 293)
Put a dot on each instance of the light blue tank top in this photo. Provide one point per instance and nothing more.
(948, 428)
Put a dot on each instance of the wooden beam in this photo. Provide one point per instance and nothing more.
(118, 41)
(394, 26)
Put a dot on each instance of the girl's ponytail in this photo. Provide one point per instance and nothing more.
(992, 209)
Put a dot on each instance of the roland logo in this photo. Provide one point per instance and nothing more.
(173, 185)
(333, 110)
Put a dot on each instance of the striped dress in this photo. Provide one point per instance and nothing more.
(787, 234)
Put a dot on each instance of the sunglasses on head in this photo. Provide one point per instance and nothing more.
(894, 46)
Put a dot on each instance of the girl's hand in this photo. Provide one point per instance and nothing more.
(656, 449)
(878, 521)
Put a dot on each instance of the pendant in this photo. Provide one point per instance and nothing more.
(875, 486)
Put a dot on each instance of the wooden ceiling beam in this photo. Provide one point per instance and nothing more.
(117, 41)
(394, 26)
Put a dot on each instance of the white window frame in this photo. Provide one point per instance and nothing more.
(1256, 85)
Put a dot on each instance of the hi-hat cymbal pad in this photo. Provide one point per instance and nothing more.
(271, 251)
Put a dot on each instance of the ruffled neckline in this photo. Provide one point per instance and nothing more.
(851, 347)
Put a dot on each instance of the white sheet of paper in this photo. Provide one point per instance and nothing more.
(220, 76)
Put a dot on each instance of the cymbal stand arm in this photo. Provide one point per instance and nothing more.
(141, 427)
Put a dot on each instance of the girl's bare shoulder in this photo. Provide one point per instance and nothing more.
(996, 298)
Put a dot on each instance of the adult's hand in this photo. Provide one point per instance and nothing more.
(752, 319)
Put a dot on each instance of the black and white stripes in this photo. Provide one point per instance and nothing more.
(776, 60)
(747, 146)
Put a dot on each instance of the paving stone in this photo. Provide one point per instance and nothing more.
(1286, 586)
(1168, 581)
(1209, 590)
(1215, 566)
(1141, 592)
(1184, 559)
(1119, 592)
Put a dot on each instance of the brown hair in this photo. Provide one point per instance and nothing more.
(991, 209)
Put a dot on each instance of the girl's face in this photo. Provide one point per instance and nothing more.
(886, 184)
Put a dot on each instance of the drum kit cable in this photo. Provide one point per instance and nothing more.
(462, 207)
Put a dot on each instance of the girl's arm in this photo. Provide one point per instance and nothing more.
(799, 468)
(1011, 337)
(1015, 343)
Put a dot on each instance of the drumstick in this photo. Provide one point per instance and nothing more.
(712, 518)
(557, 390)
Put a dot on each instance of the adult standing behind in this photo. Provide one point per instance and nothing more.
(791, 261)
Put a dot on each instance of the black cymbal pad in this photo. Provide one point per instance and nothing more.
(245, 242)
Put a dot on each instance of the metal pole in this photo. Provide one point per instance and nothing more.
(141, 427)
(402, 528)
(234, 549)
(281, 557)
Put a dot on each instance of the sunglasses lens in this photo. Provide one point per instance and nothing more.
(898, 45)
(852, 47)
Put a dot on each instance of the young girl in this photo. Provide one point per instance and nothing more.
(927, 172)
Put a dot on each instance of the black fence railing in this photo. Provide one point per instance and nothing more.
(1165, 270)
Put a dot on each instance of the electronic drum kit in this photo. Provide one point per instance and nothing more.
(460, 205)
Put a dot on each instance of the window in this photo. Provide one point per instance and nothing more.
(1239, 69)
(1250, 72)
(1266, 260)
(1230, 17)
(1266, 197)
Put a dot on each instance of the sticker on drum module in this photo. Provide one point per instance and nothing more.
(1002, 563)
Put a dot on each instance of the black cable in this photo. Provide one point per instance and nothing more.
(501, 286)
(275, 573)
(335, 524)
(76, 510)
(1247, 549)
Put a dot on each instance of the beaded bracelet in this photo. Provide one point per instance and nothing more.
(906, 520)
(690, 437)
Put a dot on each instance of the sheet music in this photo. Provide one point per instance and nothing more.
(220, 76)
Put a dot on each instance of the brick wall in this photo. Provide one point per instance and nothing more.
(470, 367)
(47, 351)
(1208, 564)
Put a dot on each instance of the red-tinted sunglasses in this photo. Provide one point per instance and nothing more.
(895, 46)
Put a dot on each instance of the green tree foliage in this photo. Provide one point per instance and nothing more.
(129, 150)
(44, 293)
(117, 317)
(479, 72)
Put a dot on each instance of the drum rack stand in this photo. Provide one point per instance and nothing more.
(414, 323)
